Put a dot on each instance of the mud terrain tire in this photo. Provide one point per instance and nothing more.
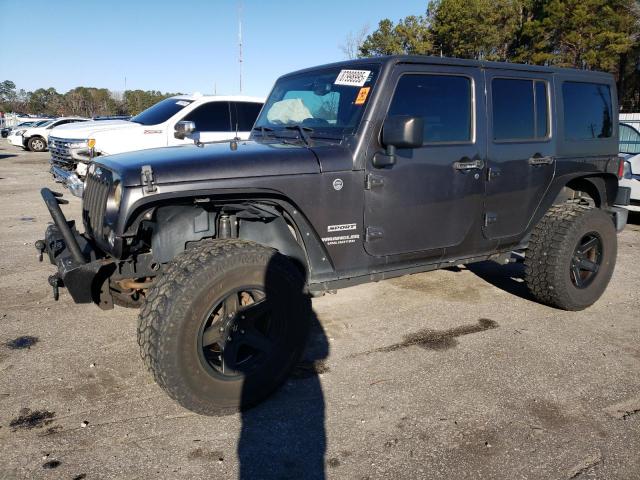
(569, 243)
(173, 324)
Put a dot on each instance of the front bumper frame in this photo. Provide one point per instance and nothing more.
(82, 268)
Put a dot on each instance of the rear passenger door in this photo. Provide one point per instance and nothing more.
(520, 153)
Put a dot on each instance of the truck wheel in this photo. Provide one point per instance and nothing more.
(37, 144)
(224, 326)
(571, 256)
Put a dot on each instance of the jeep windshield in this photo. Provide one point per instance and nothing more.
(161, 111)
(327, 103)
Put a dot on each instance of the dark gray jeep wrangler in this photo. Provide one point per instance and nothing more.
(355, 172)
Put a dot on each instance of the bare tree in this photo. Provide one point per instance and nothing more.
(353, 41)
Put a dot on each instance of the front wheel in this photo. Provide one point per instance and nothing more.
(571, 256)
(37, 144)
(224, 326)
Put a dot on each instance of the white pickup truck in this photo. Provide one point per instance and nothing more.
(73, 147)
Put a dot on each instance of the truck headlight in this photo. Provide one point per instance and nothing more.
(627, 170)
(82, 144)
(117, 195)
(19, 132)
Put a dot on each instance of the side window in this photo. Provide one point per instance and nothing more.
(587, 111)
(211, 117)
(629, 139)
(443, 101)
(244, 114)
(520, 109)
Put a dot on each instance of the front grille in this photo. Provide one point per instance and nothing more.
(60, 151)
(94, 201)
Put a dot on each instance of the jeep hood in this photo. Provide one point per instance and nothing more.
(82, 130)
(190, 163)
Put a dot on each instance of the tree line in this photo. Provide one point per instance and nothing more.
(586, 34)
(80, 101)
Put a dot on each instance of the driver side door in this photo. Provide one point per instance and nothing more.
(431, 199)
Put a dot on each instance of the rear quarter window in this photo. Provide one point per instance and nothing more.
(587, 111)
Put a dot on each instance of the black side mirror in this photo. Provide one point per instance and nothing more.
(399, 131)
(183, 129)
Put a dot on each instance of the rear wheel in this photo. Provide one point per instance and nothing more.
(571, 256)
(224, 325)
(37, 144)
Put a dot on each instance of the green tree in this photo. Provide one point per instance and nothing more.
(44, 101)
(478, 29)
(586, 34)
(409, 36)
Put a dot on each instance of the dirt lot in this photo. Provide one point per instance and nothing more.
(451, 374)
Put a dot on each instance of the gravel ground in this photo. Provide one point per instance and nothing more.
(451, 374)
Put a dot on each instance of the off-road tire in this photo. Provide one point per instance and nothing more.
(37, 144)
(172, 314)
(550, 251)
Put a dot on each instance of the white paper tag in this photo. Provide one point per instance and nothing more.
(182, 103)
(353, 78)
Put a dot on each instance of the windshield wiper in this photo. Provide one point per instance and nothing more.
(303, 132)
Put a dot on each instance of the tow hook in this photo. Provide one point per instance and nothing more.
(56, 282)
(40, 246)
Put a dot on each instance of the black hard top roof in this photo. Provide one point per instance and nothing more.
(459, 62)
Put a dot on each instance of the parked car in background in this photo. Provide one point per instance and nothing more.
(14, 136)
(630, 151)
(36, 138)
(215, 117)
(6, 130)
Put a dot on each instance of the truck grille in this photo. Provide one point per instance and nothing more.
(60, 152)
(94, 201)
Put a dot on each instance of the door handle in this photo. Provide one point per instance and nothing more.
(538, 159)
(467, 164)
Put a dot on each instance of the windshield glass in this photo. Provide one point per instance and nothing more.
(161, 111)
(44, 124)
(329, 101)
(629, 139)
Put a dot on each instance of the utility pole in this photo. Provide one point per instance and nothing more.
(240, 40)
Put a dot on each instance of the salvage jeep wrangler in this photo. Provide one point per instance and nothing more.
(354, 172)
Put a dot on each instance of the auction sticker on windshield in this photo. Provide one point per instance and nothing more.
(353, 78)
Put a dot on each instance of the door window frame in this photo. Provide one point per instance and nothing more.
(533, 139)
(472, 86)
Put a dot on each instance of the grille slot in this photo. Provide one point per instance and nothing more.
(94, 202)
(60, 152)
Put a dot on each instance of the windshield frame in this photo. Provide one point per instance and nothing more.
(264, 128)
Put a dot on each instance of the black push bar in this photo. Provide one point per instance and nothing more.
(52, 200)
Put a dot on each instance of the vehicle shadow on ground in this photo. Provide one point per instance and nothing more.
(284, 436)
(634, 218)
(7, 155)
(509, 277)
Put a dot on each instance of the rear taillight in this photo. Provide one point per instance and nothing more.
(620, 168)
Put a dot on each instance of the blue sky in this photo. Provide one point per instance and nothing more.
(175, 46)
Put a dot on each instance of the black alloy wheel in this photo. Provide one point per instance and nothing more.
(586, 260)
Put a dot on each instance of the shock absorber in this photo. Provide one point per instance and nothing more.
(224, 226)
